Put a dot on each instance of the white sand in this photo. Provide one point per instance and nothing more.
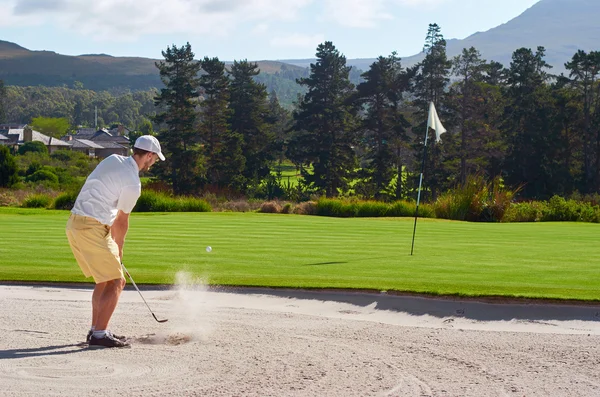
(293, 343)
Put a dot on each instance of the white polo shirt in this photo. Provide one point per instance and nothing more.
(114, 185)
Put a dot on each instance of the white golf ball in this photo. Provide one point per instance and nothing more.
(208, 249)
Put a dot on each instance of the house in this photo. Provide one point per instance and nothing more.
(85, 146)
(119, 129)
(99, 142)
(18, 136)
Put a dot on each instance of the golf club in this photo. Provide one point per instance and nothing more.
(138, 290)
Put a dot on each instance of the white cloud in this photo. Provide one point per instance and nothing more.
(420, 3)
(130, 19)
(357, 13)
(298, 41)
(260, 29)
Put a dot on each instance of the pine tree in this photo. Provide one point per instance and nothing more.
(324, 124)
(469, 68)
(528, 129)
(222, 147)
(177, 105)
(249, 120)
(584, 70)
(8, 168)
(383, 126)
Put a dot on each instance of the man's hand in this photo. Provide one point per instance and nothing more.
(119, 229)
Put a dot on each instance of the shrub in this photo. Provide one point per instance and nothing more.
(336, 208)
(33, 146)
(43, 174)
(151, 201)
(426, 211)
(68, 155)
(402, 208)
(559, 209)
(306, 208)
(7, 198)
(525, 212)
(372, 209)
(288, 208)
(8, 168)
(476, 201)
(65, 201)
(236, 206)
(270, 207)
(37, 201)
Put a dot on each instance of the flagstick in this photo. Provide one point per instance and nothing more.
(419, 192)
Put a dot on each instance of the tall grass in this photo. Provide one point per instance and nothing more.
(359, 208)
(151, 201)
(37, 201)
(477, 200)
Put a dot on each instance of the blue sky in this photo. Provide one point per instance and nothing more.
(245, 29)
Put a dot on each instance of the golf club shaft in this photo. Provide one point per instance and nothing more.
(140, 292)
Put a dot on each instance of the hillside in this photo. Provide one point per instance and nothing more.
(561, 26)
(22, 67)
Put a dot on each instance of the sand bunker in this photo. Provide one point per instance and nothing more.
(294, 343)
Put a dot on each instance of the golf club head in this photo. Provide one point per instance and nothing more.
(160, 321)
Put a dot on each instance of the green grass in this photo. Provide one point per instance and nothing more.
(289, 173)
(539, 260)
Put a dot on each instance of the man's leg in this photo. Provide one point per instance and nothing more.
(107, 302)
(98, 290)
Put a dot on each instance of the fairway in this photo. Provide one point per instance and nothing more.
(540, 260)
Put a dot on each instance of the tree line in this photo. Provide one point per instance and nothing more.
(519, 125)
(78, 106)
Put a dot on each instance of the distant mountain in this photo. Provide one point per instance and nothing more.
(20, 66)
(561, 26)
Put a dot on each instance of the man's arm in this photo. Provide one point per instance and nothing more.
(119, 229)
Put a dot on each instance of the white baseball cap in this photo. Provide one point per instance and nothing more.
(150, 144)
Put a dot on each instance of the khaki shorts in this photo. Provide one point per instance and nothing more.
(95, 251)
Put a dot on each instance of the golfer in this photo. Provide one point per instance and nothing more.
(97, 227)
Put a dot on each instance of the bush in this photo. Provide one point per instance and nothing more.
(37, 201)
(68, 156)
(288, 208)
(33, 146)
(476, 201)
(151, 201)
(8, 168)
(306, 208)
(236, 206)
(354, 208)
(402, 208)
(270, 207)
(372, 209)
(43, 174)
(559, 209)
(65, 201)
(525, 212)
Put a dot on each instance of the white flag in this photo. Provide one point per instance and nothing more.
(433, 121)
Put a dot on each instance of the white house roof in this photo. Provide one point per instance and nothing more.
(39, 137)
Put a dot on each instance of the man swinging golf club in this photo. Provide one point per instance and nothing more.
(97, 227)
